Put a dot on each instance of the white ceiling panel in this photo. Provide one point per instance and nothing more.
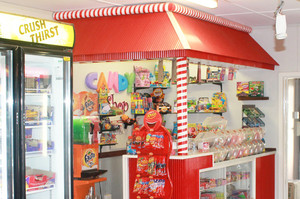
(248, 12)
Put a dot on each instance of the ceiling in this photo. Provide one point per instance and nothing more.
(248, 12)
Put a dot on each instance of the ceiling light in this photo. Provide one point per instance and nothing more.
(206, 3)
(280, 26)
(280, 23)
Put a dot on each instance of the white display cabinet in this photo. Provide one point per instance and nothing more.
(228, 180)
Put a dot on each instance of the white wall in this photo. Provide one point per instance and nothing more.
(286, 53)
(26, 11)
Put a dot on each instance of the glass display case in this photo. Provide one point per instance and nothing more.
(6, 124)
(227, 181)
(45, 126)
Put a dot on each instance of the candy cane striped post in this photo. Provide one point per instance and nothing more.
(182, 120)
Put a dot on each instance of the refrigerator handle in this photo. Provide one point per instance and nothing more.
(19, 129)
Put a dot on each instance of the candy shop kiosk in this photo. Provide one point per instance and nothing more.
(184, 36)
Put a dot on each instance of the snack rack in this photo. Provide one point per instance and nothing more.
(153, 143)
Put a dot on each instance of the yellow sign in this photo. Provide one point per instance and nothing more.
(36, 30)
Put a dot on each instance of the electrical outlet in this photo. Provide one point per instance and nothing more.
(107, 196)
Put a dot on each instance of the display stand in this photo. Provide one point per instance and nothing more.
(86, 169)
(153, 144)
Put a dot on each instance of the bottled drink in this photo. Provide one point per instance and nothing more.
(129, 148)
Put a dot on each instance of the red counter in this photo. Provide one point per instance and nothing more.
(184, 173)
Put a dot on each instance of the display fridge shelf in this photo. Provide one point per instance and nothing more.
(38, 124)
(33, 154)
(37, 91)
(37, 94)
(40, 189)
(229, 183)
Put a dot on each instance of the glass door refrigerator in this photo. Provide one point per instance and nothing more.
(35, 108)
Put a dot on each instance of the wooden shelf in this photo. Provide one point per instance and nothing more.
(252, 98)
(79, 182)
(111, 144)
(106, 130)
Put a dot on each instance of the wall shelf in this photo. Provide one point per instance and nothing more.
(241, 98)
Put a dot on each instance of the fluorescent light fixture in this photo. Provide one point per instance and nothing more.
(206, 3)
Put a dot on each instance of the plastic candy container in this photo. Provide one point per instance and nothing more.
(229, 144)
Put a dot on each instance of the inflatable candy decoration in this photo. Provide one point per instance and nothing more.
(113, 81)
(123, 83)
(102, 83)
(130, 78)
(89, 80)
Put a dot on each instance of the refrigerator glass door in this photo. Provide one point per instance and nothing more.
(6, 124)
(47, 126)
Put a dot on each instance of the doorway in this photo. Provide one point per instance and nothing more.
(288, 171)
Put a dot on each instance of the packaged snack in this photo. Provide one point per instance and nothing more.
(77, 105)
(242, 88)
(152, 162)
(142, 77)
(202, 105)
(138, 139)
(192, 130)
(161, 166)
(142, 165)
(191, 105)
(219, 102)
(256, 88)
(38, 179)
(90, 103)
(160, 140)
(158, 95)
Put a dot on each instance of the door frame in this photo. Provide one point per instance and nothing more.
(282, 181)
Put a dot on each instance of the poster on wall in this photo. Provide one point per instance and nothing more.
(85, 104)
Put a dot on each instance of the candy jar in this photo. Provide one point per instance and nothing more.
(256, 146)
(233, 137)
(235, 151)
(227, 137)
(216, 152)
(223, 153)
(221, 138)
(240, 150)
(246, 149)
(229, 153)
(251, 148)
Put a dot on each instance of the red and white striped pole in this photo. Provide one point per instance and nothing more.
(182, 117)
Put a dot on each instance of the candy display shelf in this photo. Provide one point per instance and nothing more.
(244, 98)
(220, 186)
(218, 83)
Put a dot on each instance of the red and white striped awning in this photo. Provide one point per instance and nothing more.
(149, 8)
(160, 31)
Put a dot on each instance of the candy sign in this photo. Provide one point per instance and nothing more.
(115, 81)
(122, 105)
